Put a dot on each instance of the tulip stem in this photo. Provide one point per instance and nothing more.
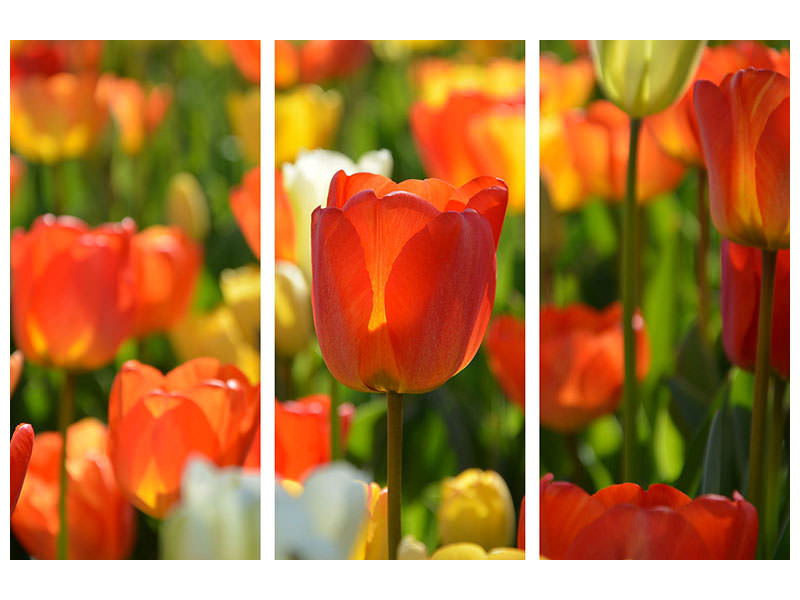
(774, 463)
(394, 456)
(65, 414)
(629, 245)
(336, 446)
(755, 485)
(702, 255)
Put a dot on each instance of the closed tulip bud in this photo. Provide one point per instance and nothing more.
(187, 206)
(244, 112)
(241, 290)
(411, 548)
(72, 291)
(218, 516)
(20, 452)
(643, 77)
(306, 117)
(157, 421)
(321, 60)
(100, 522)
(247, 57)
(246, 206)
(476, 507)
(293, 325)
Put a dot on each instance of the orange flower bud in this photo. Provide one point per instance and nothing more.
(246, 206)
(321, 60)
(247, 56)
(505, 344)
(563, 86)
(72, 291)
(404, 278)
(48, 57)
(287, 64)
(21, 448)
(100, 521)
(157, 421)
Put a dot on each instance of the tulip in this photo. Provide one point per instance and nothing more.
(643, 77)
(321, 60)
(302, 434)
(253, 458)
(187, 206)
(16, 171)
(244, 112)
(392, 50)
(305, 118)
(48, 57)
(307, 181)
(55, 118)
(246, 206)
(476, 507)
(624, 521)
(739, 302)
(17, 361)
(287, 64)
(166, 264)
(505, 344)
(581, 363)
(373, 542)
(241, 291)
(293, 325)
(99, 520)
(469, 551)
(218, 516)
(563, 86)
(521, 526)
(157, 421)
(285, 245)
(20, 453)
(247, 56)
(437, 78)
(72, 291)
(744, 130)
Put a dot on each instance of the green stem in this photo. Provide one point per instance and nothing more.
(755, 485)
(336, 445)
(65, 415)
(629, 244)
(774, 464)
(394, 456)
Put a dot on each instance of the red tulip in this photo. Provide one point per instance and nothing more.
(744, 130)
(739, 300)
(505, 344)
(247, 56)
(246, 206)
(72, 291)
(581, 366)
(253, 458)
(521, 526)
(48, 57)
(302, 434)
(284, 223)
(624, 521)
(166, 262)
(404, 278)
(100, 522)
(321, 60)
(156, 422)
(20, 452)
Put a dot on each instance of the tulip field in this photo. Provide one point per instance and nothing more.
(664, 299)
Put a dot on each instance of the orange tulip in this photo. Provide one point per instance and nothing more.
(563, 86)
(253, 458)
(72, 291)
(55, 118)
(404, 278)
(284, 223)
(156, 422)
(16, 171)
(166, 263)
(585, 154)
(17, 362)
(624, 521)
(321, 60)
(302, 434)
(20, 452)
(501, 79)
(247, 56)
(48, 57)
(246, 206)
(739, 302)
(581, 366)
(287, 64)
(505, 344)
(100, 522)
(744, 130)
(676, 127)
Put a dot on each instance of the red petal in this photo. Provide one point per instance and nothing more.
(564, 510)
(728, 527)
(772, 175)
(21, 449)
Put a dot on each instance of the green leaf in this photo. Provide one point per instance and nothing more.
(359, 438)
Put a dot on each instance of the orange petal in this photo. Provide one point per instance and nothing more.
(728, 527)
(564, 510)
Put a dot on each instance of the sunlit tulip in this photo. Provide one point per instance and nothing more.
(404, 278)
(253, 458)
(563, 86)
(308, 180)
(581, 363)
(247, 56)
(246, 206)
(241, 291)
(55, 118)
(100, 521)
(157, 421)
(643, 77)
(411, 548)
(744, 130)
(521, 526)
(287, 64)
(739, 302)
(218, 516)
(17, 362)
(373, 541)
(302, 434)
(585, 154)
(437, 78)
(624, 521)
(187, 206)
(476, 507)
(321, 60)
(293, 320)
(505, 345)
(244, 112)
(473, 135)
(48, 57)
(137, 112)
(20, 452)
(72, 291)
(305, 118)
(16, 171)
(166, 265)
(285, 244)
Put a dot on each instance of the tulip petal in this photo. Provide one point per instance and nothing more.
(564, 510)
(488, 196)
(21, 449)
(728, 527)
(772, 175)
(133, 381)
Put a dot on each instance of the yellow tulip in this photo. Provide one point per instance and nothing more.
(372, 543)
(462, 551)
(187, 206)
(241, 290)
(506, 554)
(244, 111)
(305, 118)
(293, 322)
